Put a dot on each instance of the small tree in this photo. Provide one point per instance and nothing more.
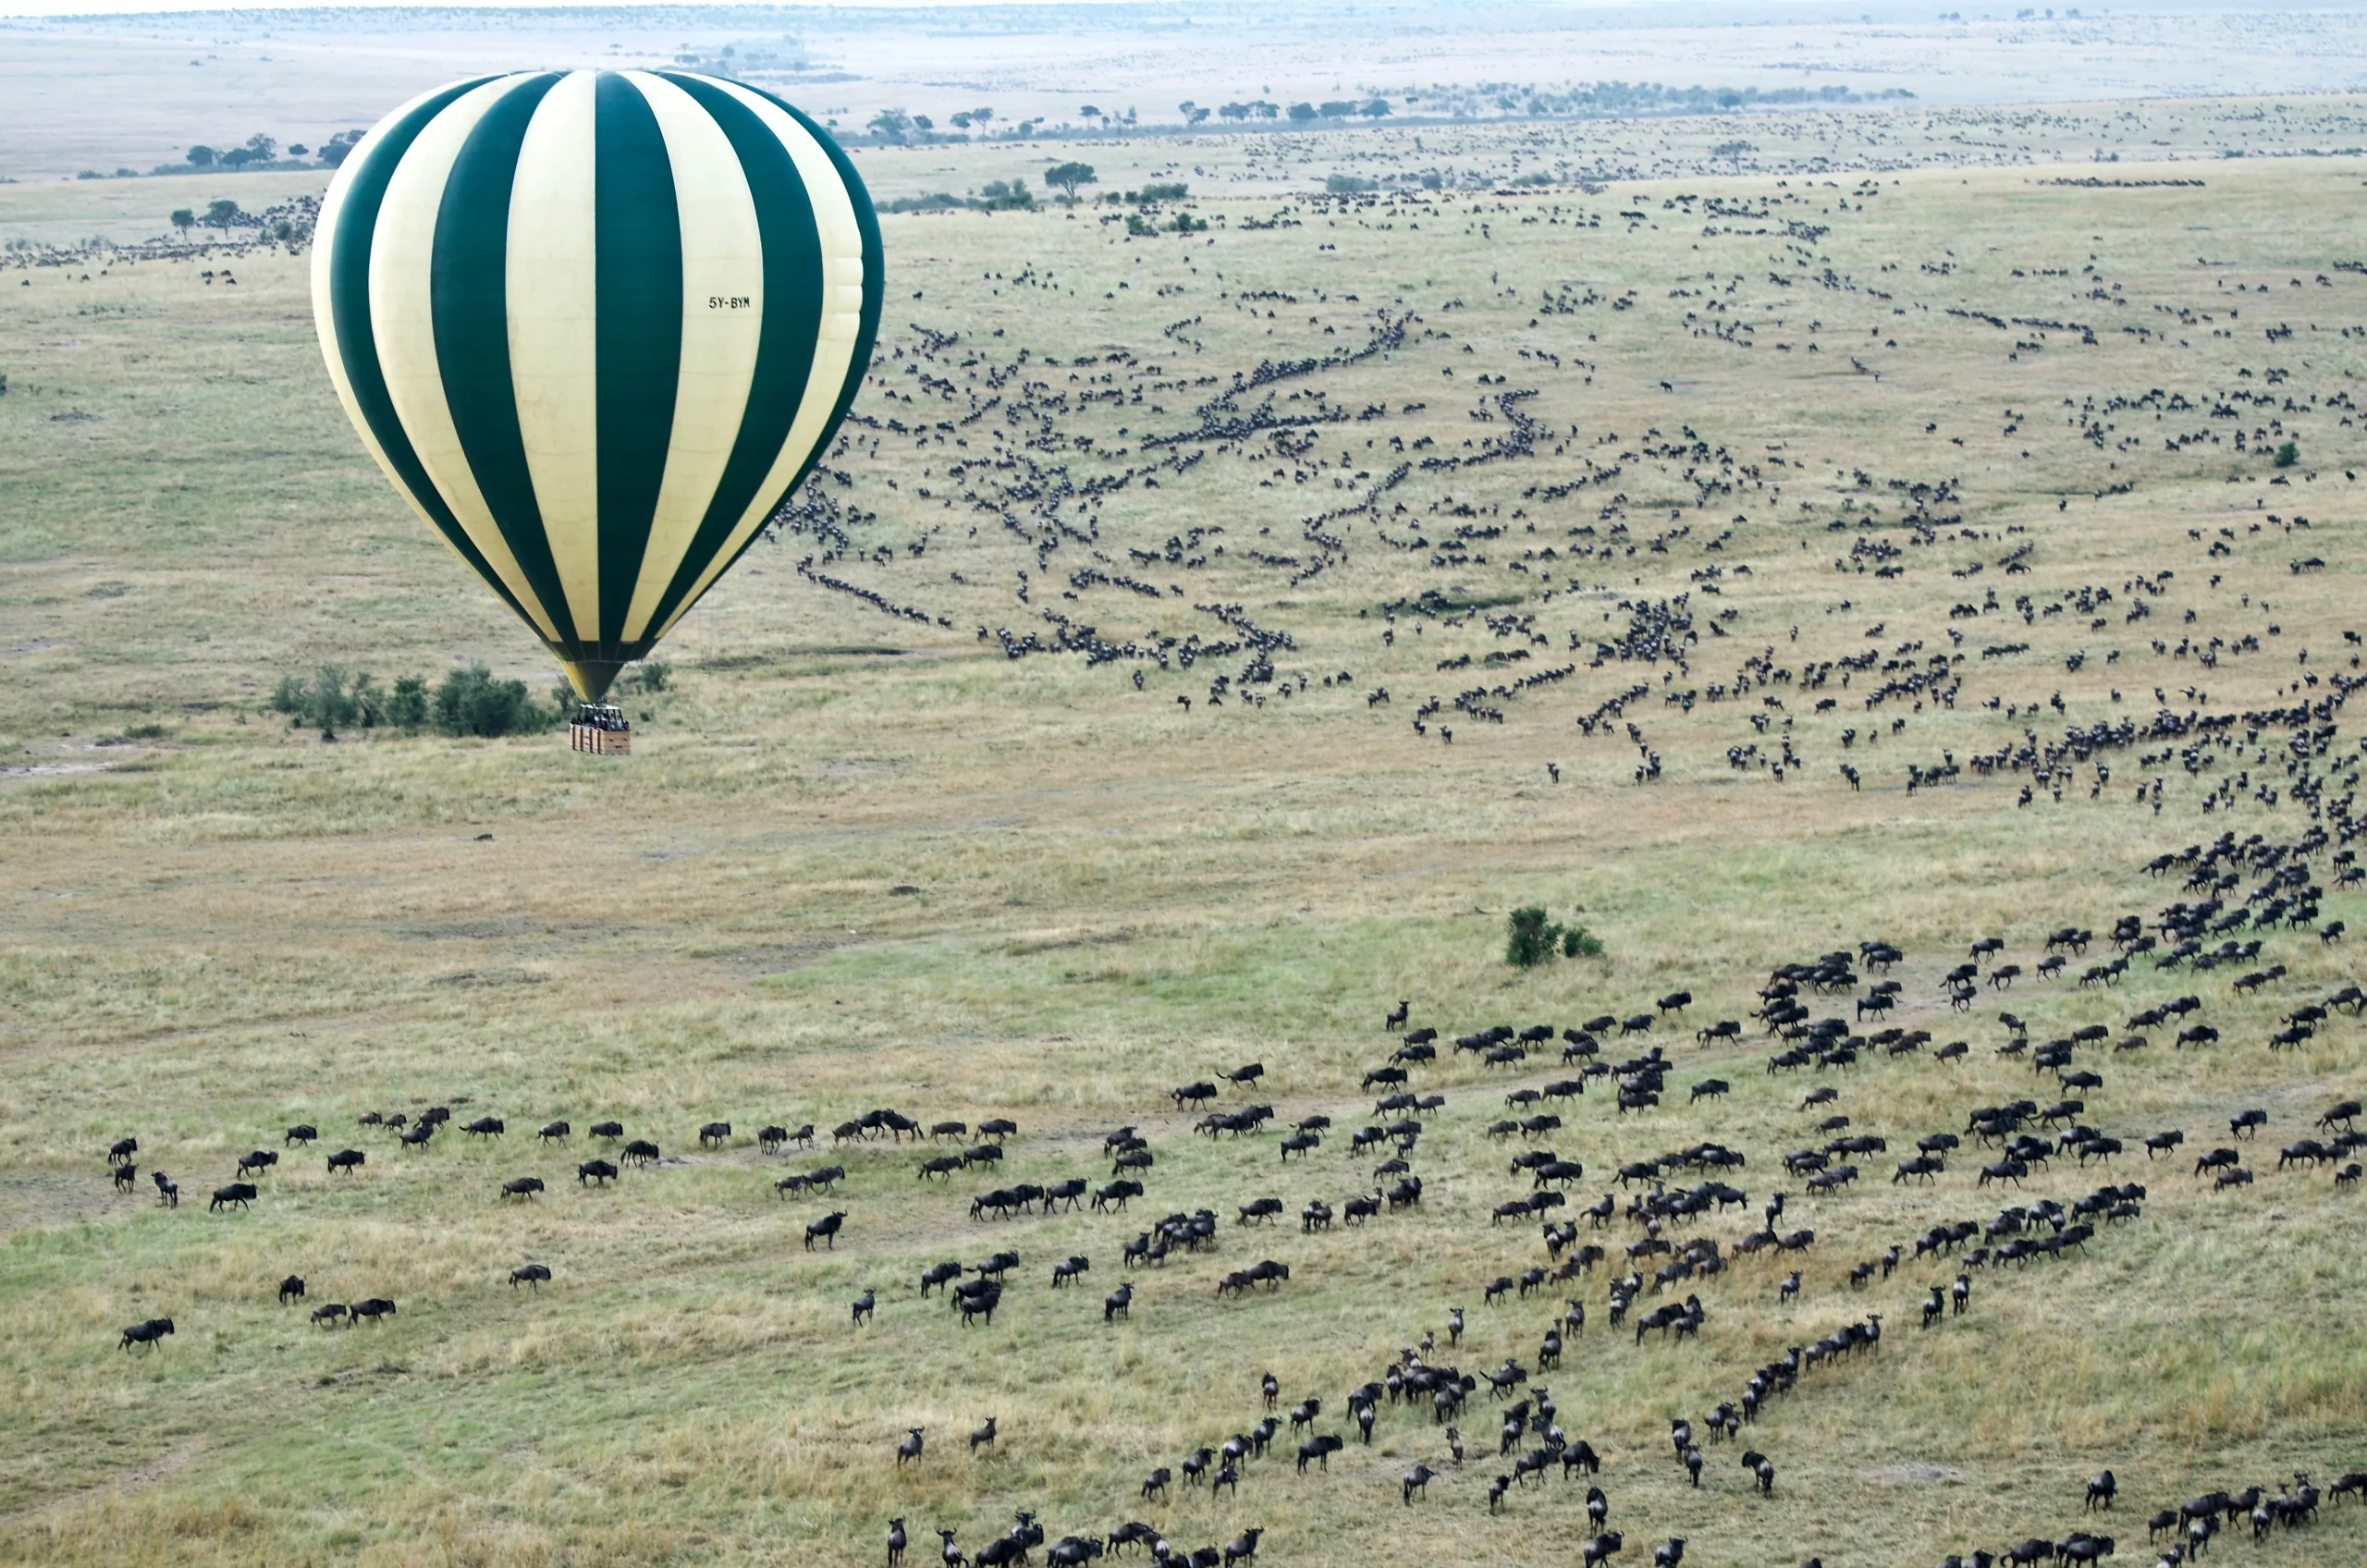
(264, 148)
(891, 125)
(221, 212)
(2289, 454)
(184, 220)
(471, 702)
(1374, 108)
(201, 156)
(1068, 176)
(408, 705)
(1530, 940)
(1302, 114)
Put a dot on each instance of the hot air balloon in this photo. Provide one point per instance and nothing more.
(597, 325)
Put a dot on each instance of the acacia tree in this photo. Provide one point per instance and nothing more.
(1068, 176)
(184, 220)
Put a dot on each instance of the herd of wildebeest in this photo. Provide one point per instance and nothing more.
(1638, 1255)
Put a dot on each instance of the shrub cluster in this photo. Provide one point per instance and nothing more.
(1531, 939)
(466, 701)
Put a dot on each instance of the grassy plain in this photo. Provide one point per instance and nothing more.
(214, 926)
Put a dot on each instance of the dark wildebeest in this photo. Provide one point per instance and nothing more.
(147, 1333)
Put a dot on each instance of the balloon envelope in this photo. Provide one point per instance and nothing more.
(597, 325)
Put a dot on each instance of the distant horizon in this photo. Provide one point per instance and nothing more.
(1881, 12)
(50, 10)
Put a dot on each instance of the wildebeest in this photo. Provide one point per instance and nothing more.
(521, 1187)
(372, 1309)
(1320, 1449)
(291, 1289)
(301, 1133)
(147, 1333)
(909, 1451)
(598, 1171)
(533, 1274)
(240, 1192)
(827, 1229)
(714, 1135)
(257, 1160)
(1417, 1479)
(1119, 1303)
(485, 1127)
(553, 1131)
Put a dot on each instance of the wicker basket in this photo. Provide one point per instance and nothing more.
(602, 730)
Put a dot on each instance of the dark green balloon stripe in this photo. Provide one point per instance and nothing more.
(793, 286)
(638, 227)
(469, 303)
(357, 339)
(875, 284)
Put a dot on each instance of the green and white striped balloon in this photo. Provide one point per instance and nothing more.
(597, 325)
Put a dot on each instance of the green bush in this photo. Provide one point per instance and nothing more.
(1172, 190)
(1531, 939)
(468, 702)
(471, 702)
(408, 706)
(2289, 454)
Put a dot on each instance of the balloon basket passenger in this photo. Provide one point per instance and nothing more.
(600, 729)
